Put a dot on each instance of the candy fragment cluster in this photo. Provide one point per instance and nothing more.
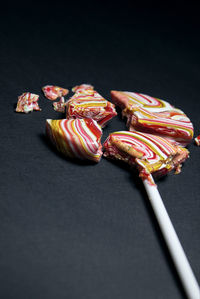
(156, 138)
(79, 135)
(52, 93)
(154, 142)
(28, 102)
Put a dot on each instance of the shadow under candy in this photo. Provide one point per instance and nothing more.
(53, 149)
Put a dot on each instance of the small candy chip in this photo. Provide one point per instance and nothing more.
(53, 92)
(76, 138)
(60, 106)
(152, 115)
(151, 154)
(197, 140)
(28, 102)
(87, 103)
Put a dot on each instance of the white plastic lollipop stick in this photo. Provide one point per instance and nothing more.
(177, 253)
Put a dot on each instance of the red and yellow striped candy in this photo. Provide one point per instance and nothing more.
(87, 103)
(152, 154)
(27, 102)
(152, 115)
(52, 92)
(76, 138)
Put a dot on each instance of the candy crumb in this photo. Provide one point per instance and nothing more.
(197, 140)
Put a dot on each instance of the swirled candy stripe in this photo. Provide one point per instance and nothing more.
(197, 140)
(152, 154)
(27, 102)
(87, 103)
(52, 92)
(152, 115)
(76, 138)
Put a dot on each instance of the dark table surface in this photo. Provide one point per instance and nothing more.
(76, 230)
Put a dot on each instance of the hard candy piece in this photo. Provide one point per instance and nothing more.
(76, 138)
(87, 103)
(28, 102)
(52, 92)
(60, 106)
(197, 140)
(152, 115)
(151, 154)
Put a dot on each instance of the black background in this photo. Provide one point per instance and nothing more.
(78, 230)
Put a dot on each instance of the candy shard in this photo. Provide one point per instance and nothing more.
(60, 106)
(197, 140)
(52, 92)
(76, 138)
(28, 102)
(87, 103)
(152, 154)
(152, 115)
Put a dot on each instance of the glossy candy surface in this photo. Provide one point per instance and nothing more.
(87, 103)
(152, 115)
(76, 138)
(27, 102)
(152, 154)
(52, 92)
